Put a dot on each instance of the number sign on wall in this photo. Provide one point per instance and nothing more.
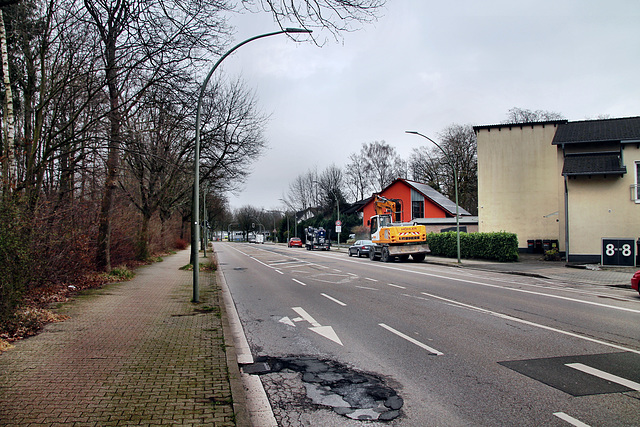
(619, 252)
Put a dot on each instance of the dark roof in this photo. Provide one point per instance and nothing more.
(603, 163)
(610, 130)
(436, 197)
(520, 125)
(356, 206)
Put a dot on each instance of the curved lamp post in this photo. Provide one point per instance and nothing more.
(195, 230)
(455, 182)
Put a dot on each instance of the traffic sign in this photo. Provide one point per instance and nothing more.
(338, 223)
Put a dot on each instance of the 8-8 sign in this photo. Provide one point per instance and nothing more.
(619, 252)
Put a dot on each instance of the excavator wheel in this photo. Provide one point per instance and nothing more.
(418, 257)
(385, 257)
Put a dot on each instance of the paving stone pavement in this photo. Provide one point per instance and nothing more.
(132, 353)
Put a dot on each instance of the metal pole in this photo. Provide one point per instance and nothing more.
(195, 232)
(455, 183)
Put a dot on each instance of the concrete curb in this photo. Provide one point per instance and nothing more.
(250, 402)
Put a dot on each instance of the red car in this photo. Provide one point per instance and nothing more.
(295, 241)
(634, 281)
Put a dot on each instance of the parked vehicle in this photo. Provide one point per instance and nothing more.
(395, 240)
(295, 241)
(635, 280)
(360, 248)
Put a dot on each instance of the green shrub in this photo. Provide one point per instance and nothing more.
(500, 246)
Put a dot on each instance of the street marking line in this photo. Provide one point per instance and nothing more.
(411, 340)
(364, 287)
(334, 300)
(298, 281)
(605, 375)
(467, 281)
(396, 286)
(570, 419)
(279, 272)
(369, 279)
(526, 322)
(306, 316)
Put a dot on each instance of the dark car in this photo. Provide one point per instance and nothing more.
(360, 248)
(635, 279)
(295, 241)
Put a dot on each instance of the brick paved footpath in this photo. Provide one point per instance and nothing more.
(132, 353)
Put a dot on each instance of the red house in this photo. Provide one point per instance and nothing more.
(422, 204)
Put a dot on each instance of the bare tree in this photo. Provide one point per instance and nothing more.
(330, 184)
(435, 168)
(335, 15)
(380, 160)
(522, 115)
(143, 43)
(356, 178)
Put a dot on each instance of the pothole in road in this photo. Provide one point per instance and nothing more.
(356, 395)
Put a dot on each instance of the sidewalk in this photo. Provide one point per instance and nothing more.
(132, 353)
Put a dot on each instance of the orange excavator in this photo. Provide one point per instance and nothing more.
(393, 239)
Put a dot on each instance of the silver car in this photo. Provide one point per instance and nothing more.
(360, 248)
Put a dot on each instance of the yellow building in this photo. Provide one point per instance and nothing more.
(574, 184)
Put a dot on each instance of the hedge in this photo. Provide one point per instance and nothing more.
(500, 246)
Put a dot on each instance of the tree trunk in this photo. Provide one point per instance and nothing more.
(11, 170)
(103, 258)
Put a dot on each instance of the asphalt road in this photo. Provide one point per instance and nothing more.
(458, 347)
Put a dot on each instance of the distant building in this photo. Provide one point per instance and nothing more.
(574, 184)
(423, 205)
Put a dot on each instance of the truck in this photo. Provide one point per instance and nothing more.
(393, 240)
(317, 239)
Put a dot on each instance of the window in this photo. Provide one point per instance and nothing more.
(417, 205)
(417, 209)
(635, 190)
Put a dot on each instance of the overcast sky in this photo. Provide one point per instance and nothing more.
(425, 65)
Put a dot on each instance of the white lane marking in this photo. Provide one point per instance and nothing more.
(279, 272)
(334, 300)
(570, 419)
(306, 316)
(465, 280)
(605, 375)
(526, 322)
(364, 287)
(369, 279)
(396, 286)
(411, 340)
(298, 281)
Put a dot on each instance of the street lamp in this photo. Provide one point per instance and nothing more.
(455, 182)
(195, 232)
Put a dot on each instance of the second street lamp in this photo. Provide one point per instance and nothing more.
(455, 183)
(195, 205)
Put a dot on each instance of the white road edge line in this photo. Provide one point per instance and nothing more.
(334, 300)
(570, 419)
(298, 281)
(537, 325)
(604, 375)
(411, 340)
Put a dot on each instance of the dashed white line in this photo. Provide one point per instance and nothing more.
(369, 279)
(365, 287)
(411, 340)
(334, 300)
(605, 375)
(298, 281)
(570, 419)
(396, 286)
(537, 325)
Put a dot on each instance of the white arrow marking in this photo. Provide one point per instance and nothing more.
(287, 321)
(327, 332)
(306, 316)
